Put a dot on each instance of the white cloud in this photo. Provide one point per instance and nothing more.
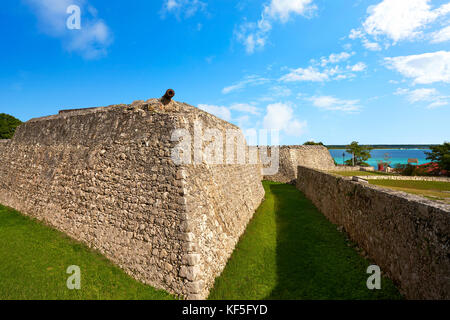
(418, 94)
(182, 8)
(245, 107)
(280, 91)
(423, 68)
(440, 36)
(369, 45)
(430, 95)
(275, 93)
(308, 74)
(360, 66)
(251, 41)
(283, 9)
(296, 128)
(315, 74)
(171, 5)
(224, 112)
(242, 121)
(397, 20)
(344, 76)
(437, 104)
(254, 35)
(219, 111)
(280, 116)
(249, 80)
(372, 46)
(51, 14)
(91, 41)
(335, 58)
(335, 104)
(355, 34)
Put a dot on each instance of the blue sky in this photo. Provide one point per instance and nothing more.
(333, 71)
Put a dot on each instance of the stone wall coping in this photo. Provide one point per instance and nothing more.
(174, 107)
(405, 234)
(302, 147)
(346, 168)
(74, 112)
(399, 194)
(289, 147)
(105, 177)
(405, 178)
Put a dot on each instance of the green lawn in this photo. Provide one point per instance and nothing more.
(291, 251)
(34, 259)
(359, 173)
(435, 190)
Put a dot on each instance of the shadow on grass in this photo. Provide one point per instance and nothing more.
(313, 259)
(34, 258)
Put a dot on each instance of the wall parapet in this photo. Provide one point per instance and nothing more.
(106, 177)
(347, 168)
(405, 178)
(290, 157)
(406, 235)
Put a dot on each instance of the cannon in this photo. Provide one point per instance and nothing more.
(167, 97)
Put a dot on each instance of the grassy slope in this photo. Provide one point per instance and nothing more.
(429, 189)
(358, 173)
(291, 251)
(34, 259)
(414, 184)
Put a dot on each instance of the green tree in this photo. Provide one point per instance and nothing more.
(360, 154)
(8, 125)
(441, 155)
(312, 143)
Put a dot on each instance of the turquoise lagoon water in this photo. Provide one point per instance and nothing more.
(397, 156)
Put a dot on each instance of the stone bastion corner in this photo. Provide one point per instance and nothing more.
(105, 177)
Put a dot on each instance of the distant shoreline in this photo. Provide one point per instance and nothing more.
(388, 146)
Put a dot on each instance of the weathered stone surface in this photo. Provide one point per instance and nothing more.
(191, 273)
(105, 176)
(404, 178)
(317, 157)
(406, 235)
(191, 259)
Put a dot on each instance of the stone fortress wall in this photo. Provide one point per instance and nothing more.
(290, 157)
(406, 235)
(404, 178)
(105, 176)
